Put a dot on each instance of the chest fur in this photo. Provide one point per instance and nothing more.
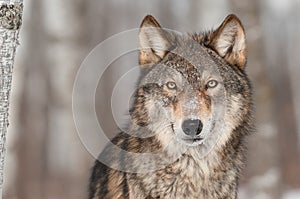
(186, 178)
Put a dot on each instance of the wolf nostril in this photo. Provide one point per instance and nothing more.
(192, 127)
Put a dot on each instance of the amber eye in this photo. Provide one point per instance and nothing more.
(211, 84)
(171, 85)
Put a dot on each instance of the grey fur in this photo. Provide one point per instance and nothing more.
(207, 166)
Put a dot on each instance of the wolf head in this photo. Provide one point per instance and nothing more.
(194, 89)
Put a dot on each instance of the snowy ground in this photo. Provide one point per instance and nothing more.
(292, 194)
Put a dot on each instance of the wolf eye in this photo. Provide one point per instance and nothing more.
(171, 85)
(211, 84)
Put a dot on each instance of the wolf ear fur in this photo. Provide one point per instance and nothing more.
(229, 41)
(154, 42)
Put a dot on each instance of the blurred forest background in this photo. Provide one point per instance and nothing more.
(45, 158)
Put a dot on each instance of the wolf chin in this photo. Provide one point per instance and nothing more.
(190, 117)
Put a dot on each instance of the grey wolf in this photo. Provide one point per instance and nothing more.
(193, 106)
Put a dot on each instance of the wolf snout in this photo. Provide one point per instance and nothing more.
(192, 127)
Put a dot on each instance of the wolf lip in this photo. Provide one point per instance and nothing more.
(197, 139)
(193, 139)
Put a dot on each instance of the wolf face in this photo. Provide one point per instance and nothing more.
(193, 84)
(191, 113)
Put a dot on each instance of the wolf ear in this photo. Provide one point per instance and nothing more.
(229, 41)
(154, 42)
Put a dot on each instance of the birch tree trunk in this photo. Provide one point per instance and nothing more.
(10, 22)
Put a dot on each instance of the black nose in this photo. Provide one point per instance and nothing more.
(192, 127)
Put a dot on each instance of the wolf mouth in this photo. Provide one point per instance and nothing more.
(192, 140)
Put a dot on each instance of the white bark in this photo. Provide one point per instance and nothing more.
(10, 22)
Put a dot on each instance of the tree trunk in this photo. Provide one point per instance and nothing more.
(284, 109)
(10, 22)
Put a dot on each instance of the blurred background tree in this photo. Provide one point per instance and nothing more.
(45, 158)
(10, 23)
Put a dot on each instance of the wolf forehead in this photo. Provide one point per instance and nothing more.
(187, 61)
(192, 61)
